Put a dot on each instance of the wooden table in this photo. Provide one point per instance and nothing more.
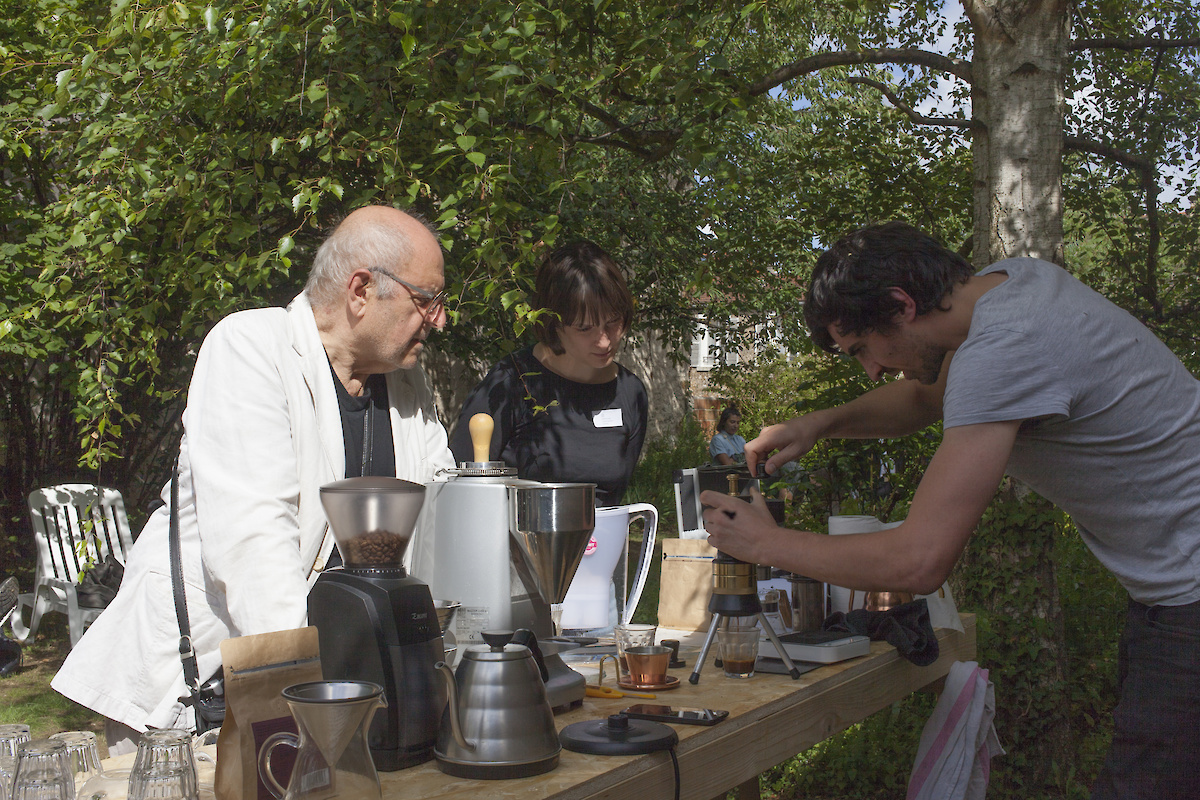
(772, 718)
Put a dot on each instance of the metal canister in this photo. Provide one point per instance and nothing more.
(808, 603)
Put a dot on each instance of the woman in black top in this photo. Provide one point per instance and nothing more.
(564, 409)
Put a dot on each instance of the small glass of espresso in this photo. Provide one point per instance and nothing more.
(739, 649)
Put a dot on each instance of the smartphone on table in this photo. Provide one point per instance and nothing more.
(675, 714)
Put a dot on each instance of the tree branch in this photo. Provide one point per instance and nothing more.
(1112, 43)
(920, 119)
(1148, 175)
(1127, 160)
(887, 55)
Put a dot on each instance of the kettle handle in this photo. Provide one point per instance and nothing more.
(264, 759)
(526, 637)
(452, 695)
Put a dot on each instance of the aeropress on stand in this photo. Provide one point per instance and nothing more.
(735, 595)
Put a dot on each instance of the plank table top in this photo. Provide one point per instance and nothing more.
(771, 719)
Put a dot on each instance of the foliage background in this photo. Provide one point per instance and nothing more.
(163, 164)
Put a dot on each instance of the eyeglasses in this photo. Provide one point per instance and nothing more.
(427, 303)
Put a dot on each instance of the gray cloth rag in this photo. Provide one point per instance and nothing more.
(906, 627)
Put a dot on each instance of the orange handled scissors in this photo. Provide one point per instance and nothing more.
(598, 689)
(611, 693)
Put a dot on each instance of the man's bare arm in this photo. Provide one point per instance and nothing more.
(917, 556)
(897, 408)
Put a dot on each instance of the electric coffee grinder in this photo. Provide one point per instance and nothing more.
(734, 595)
(507, 549)
(377, 623)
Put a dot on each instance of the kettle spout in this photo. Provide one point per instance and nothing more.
(452, 694)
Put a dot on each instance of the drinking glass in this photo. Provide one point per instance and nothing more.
(11, 738)
(164, 767)
(111, 784)
(632, 635)
(739, 649)
(42, 772)
(83, 754)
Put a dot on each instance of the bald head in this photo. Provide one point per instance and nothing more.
(372, 236)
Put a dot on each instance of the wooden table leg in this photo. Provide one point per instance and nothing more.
(748, 790)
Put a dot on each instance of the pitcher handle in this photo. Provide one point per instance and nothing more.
(649, 515)
(264, 759)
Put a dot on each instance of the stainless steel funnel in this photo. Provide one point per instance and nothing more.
(552, 524)
(372, 518)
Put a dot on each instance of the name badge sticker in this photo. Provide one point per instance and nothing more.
(608, 418)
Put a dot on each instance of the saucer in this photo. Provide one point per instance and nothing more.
(670, 683)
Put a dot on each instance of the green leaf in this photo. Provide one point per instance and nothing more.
(316, 90)
(507, 299)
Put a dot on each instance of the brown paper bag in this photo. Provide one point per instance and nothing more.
(686, 584)
(257, 669)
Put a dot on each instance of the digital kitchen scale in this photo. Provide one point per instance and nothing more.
(819, 647)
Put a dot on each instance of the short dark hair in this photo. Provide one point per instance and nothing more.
(730, 411)
(852, 281)
(580, 284)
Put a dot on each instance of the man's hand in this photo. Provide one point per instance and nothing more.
(790, 439)
(743, 530)
(915, 557)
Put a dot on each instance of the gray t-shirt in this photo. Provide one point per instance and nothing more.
(1112, 421)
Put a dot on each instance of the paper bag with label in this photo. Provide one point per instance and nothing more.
(686, 584)
(257, 669)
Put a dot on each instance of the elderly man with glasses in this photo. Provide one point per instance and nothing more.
(282, 401)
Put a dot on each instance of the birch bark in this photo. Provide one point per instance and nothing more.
(1018, 80)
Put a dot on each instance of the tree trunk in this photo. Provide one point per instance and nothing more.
(1017, 96)
(1008, 575)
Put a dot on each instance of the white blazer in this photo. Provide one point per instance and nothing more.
(262, 434)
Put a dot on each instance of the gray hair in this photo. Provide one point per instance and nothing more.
(360, 246)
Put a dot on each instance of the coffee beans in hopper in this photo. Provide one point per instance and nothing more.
(375, 547)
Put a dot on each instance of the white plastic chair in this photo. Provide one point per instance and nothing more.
(63, 517)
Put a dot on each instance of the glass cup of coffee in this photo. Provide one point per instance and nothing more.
(648, 665)
(632, 635)
(739, 649)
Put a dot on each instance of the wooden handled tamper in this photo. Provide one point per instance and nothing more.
(481, 427)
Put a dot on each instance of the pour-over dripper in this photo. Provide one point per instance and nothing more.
(552, 524)
(332, 758)
(372, 518)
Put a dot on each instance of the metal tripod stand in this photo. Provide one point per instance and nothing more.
(735, 594)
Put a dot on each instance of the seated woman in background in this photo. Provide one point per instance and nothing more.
(726, 446)
(564, 409)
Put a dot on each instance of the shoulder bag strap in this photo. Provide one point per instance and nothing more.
(191, 673)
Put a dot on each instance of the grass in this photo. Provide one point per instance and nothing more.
(26, 696)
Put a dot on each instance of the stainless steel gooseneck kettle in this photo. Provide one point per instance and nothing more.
(498, 722)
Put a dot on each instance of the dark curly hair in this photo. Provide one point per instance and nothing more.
(852, 281)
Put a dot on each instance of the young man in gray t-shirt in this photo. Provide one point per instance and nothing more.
(1032, 374)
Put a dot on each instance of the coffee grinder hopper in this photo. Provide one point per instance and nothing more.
(551, 526)
(372, 518)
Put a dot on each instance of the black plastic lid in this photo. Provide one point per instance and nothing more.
(618, 735)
